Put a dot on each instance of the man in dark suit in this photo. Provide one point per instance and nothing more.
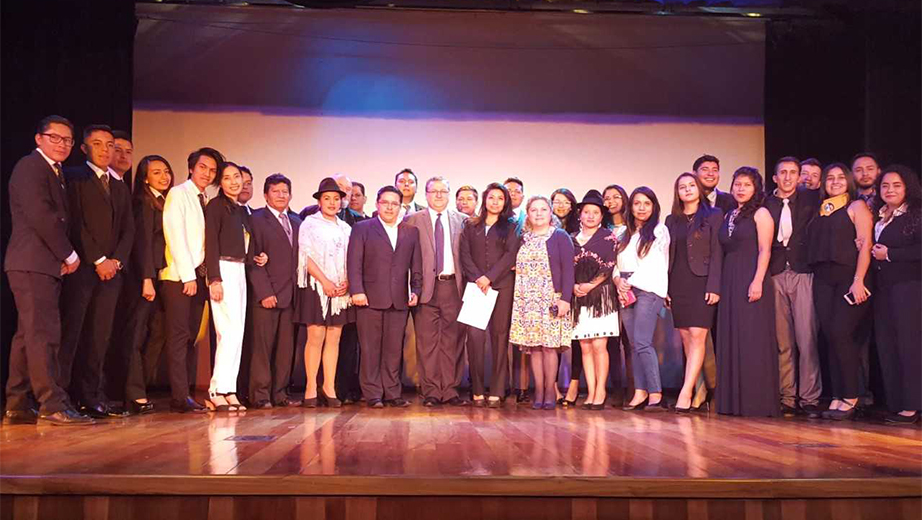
(707, 168)
(406, 182)
(436, 316)
(347, 368)
(358, 199)
(102, 230)
(276, 234)
(122, 157)
(793, 209)
(384, 260)
(38, 255)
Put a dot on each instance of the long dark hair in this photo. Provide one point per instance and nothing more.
(849, 179)
(913, 192)
(504, 215)
(646, 232)
(678, 207)
(141, 175)
(232, 204)
(758, 196)
(624, 208)
(571, 220)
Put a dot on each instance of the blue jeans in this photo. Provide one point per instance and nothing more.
(640, 324)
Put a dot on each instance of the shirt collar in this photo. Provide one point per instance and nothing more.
(712, 196)
(99, 171)
(48, 159)
(278, 214)
(386, 225)
(904, 207)
(154, 191)
(789, 197)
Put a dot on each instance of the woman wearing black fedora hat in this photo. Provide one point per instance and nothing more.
(324, 304)
(595, 298)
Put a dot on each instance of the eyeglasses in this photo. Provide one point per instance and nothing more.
(57, 139)
(389, 204)
(439, 193)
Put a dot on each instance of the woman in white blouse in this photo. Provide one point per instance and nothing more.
(643, 260)
(324, 304)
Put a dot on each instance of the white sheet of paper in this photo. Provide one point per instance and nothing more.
(477, 306)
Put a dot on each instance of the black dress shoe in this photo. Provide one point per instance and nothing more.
(187, 405)
(332, 402)
(478, 403)
(400, 402)
(841, 415)
(374, 403)
(494, 403)
(136, 408)
(289, 402)
(812, 411)
(96, 411)
(313, 402)
(430, 402)
(788, 411)
(20, 417)
(656, 407)
(263, 404)
(458, 401)
(895, 418)
(67, 417)
(637, 407)
(521, 396)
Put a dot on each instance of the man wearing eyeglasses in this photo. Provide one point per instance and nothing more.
(103, 232)
(436, 316)
(39, 254)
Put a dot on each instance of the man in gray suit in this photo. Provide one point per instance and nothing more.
(436, 316)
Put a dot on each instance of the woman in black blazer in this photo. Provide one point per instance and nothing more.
(695, 260)
(153, 180)
(488, 247)
(897, 262)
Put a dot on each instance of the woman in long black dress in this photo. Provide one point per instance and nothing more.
(695, 261)
(747, 352)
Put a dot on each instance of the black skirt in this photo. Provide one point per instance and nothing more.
(686, 289)
(308, 310)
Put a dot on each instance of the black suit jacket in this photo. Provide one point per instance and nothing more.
(102, 223)
(148, 256)
(491, 254)
(903, 238)
(39, 242)
(805, 205)
(278, 277)
(725, 202)
(348, 215)
(705, 255)
(383, 273)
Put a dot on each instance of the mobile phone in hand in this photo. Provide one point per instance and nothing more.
(850, 298)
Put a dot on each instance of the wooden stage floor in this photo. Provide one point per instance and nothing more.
(468, 452)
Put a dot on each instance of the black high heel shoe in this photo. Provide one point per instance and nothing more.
(332, 402)
(636, 407)
(212, 407)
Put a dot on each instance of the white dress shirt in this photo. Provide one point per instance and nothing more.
(184, 231)
(448, 263)
(391, 231)
(650, 273)
(73, 257)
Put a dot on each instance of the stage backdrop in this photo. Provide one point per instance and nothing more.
(559, 100)
(570, 100)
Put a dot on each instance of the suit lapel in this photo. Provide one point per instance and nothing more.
(430, 232)
(276, 224)
(378, 229)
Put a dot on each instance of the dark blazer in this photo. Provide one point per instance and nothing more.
(102, 224)
(490, 254)
(903, 239)
(225, 221)
(725, 202)
(381, 272)
(805, 205)
(560, 255)
(347, 215)
(148, 256)
(279, 276)
(39, 242)
(705, 255)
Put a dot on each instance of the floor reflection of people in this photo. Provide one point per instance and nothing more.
(695, 461)
(318, 449)
(596, 459)
(223, 457)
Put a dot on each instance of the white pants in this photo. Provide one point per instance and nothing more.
(229, 317)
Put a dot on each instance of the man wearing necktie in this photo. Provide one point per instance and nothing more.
(39, 254)
(275, 232)
(792, 208)
(183, 279)
(103, 233)
(436, 317)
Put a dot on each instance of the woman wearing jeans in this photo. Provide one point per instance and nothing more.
(643, 261)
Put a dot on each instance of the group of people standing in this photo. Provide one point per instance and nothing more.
(777, 279)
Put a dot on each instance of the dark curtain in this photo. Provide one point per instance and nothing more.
(67, 57)
(838, 86)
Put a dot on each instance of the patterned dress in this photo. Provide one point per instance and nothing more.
(532, 323)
